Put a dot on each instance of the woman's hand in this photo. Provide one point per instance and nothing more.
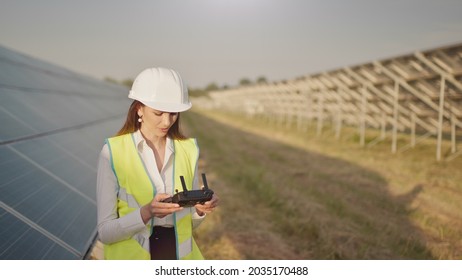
(158, 209)
(208, 206)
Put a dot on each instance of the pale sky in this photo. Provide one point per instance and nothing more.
(223, 41)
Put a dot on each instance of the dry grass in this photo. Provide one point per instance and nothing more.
(291, 195)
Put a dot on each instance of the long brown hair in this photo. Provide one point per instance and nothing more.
(131, 123)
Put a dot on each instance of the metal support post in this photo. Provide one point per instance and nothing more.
(320, 112)
(440, 119)
(362, 129)
(338, 127)
(383, 126)
(413, 117)
(395, 118)
(309, 116)
(453, 134)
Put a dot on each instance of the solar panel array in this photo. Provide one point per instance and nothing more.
(53, 123)
(417, 93)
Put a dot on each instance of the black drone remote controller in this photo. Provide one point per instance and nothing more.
(190, 198)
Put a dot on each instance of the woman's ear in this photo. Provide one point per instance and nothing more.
(139, 111)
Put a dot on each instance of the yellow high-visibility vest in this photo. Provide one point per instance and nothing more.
(137, 189)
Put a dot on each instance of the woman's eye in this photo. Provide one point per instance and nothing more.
(161, 113)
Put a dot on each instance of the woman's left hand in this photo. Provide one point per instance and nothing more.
(208, 206)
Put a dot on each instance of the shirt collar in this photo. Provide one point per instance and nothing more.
(140, 142)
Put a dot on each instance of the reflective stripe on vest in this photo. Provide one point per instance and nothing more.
(136, 189)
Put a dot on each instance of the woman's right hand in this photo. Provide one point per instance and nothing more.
(158, 209)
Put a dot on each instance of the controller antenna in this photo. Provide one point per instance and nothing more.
(183, 184)
(204, 180)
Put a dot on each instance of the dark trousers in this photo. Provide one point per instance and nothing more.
(162, 243)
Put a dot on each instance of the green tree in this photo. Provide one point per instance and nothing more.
(196, 92)
(111, 80)
(127, 82)
(245, 82)
(262, 80)
(212, 86)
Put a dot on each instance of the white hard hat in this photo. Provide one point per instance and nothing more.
(161, 89)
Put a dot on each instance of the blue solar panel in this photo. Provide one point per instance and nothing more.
(53, 125)
(20, 241)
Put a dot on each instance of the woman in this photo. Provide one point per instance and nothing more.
(141, 166)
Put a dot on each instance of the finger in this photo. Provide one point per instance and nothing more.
(201, 207)
(167, 205)
(161, 196)
(205, 209)
(162, 212)
(157, 202)
(212, 203)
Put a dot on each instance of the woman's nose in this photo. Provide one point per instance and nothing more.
(166, 119)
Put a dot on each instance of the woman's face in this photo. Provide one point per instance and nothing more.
(155, 121)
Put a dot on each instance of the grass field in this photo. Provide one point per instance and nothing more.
(292, 195)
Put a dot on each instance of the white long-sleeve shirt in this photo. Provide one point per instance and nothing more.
(111, 228)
